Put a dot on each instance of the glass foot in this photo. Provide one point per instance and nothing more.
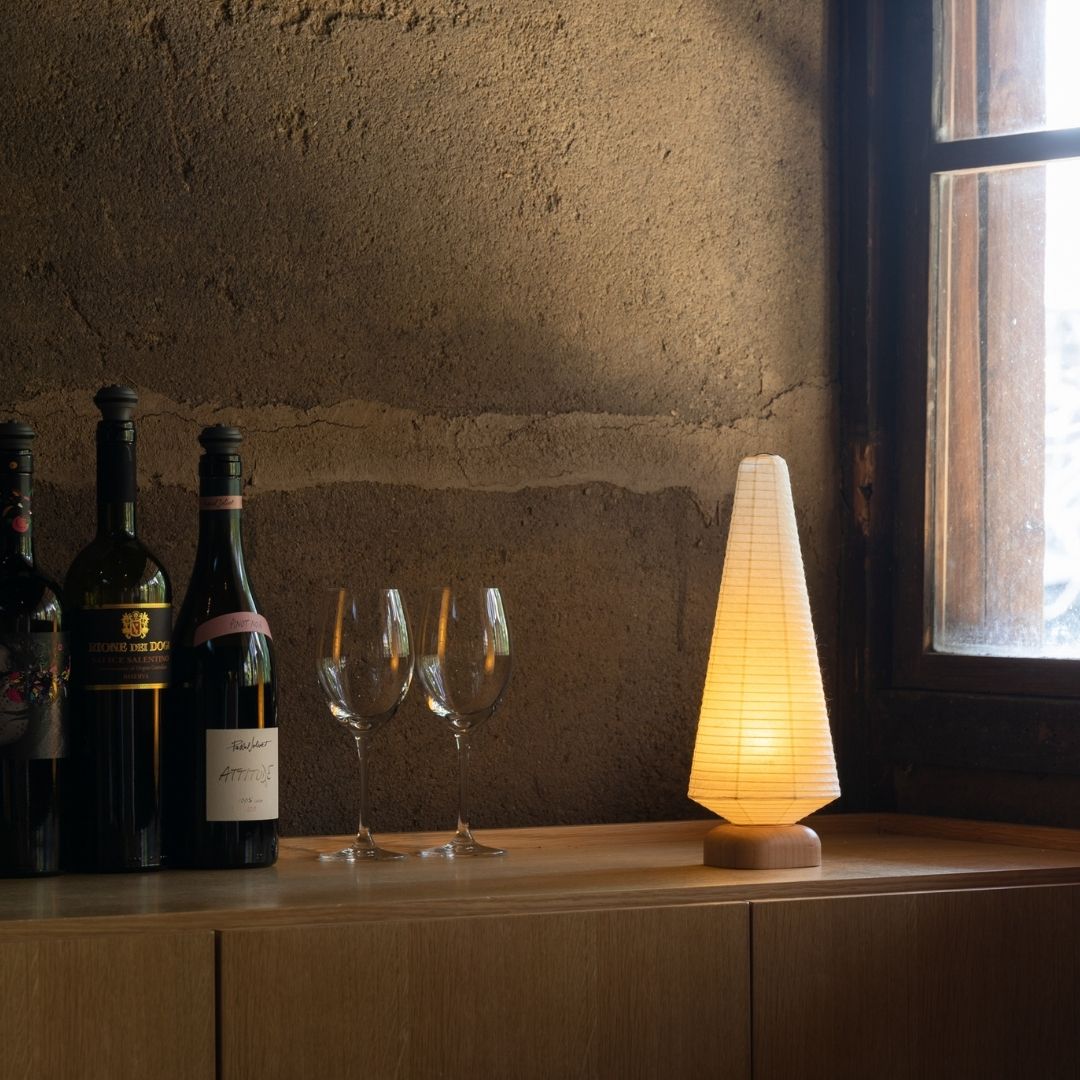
(459, 849)
(353, 854)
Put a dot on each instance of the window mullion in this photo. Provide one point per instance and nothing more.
(998, 150)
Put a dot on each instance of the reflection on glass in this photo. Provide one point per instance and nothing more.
(1005, 66)
(1004, 420)
(363, 660)
(464, 666)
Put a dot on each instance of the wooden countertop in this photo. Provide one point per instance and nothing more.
(547, 869)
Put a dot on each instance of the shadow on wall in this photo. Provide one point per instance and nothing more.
(615, 213)
(463, 212)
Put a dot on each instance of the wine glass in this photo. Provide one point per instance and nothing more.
(364, 663)
(464, 667)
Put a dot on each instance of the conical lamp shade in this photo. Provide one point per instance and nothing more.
(764, 753)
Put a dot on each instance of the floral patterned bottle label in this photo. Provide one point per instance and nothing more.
(34, 671)
(126, 646)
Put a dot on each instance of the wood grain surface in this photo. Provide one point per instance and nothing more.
(108, 1007)
(578, 868)
(919, 948)
(979, 984)
(658, 993)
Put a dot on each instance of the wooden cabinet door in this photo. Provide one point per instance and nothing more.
(136, 1006)
(659, 992)
(982, 984)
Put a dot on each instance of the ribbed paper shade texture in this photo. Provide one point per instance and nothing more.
(764, 753)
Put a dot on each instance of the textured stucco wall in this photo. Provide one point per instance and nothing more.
(499, 292)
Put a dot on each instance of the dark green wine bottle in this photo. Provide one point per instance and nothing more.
(120, 604)
(34, 663)
(221, 794)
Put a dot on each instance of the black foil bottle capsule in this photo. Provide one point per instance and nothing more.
(34, 668)
(120, 603)
(221, 740)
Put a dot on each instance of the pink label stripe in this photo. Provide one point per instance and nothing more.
(221, 502)
(238, 622)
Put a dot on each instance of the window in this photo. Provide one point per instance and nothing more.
(958, 204)
(1003, 544)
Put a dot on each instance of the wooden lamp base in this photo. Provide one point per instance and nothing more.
(762, 847)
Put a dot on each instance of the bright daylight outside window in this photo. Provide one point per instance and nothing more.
(1003, 522)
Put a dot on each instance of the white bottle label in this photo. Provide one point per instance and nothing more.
(241, 774)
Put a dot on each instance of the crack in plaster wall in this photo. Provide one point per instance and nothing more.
(290, 449)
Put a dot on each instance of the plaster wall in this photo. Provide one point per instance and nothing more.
(498, 293)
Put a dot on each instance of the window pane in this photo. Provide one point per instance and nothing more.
(1004, 421)
(1005, 66)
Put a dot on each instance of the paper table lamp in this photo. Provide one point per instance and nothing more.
(763, 758)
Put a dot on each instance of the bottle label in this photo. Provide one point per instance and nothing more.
(221, 502)
(34, 672)
(236, 622)
(241, 774)
(127, 646)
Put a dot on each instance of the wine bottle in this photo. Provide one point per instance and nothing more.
(34, 667)
(119, 600)
(221, 741)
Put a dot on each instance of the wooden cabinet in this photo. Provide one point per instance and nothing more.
(644, 993)
(107, 1006)
(976, 984)
(917, 949)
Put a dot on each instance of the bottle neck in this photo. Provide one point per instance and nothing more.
(219, 533)
(220, 508)
(116, 518)
(219, 560)
(16, 521)
(116, 478)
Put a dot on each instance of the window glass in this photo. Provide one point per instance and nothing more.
(1005, 66)
(1004, 411)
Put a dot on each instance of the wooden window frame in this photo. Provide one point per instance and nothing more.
(899, 701)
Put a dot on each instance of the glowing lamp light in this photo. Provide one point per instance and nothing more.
(763, 758)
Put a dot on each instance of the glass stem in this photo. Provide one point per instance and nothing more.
(461, 738)
(363, 830)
